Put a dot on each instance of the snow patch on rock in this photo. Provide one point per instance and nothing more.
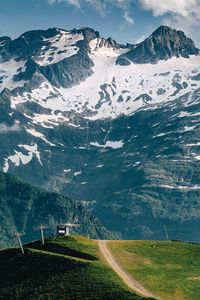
(20, 158)
(109, 144)
(58, 48)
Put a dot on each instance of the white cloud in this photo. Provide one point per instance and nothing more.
(102, 6)
(184, 14)
(124, 5)
(99, 5)
(161, 7)
(75, 3)
(129, 20)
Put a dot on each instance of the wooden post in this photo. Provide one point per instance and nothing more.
(18, 235)
(41, 229)
(42, 235)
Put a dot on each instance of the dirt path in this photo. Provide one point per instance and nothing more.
(130, 282)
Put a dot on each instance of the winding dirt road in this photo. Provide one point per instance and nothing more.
(129, 281)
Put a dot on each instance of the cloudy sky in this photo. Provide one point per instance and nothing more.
(124, 20)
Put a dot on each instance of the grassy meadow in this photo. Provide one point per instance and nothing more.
(67, 268)
(168, 269)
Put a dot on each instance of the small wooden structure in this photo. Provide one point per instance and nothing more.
(64, 229)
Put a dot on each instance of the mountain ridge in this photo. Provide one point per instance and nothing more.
(122, 139)
(163, 44)
(24, 207)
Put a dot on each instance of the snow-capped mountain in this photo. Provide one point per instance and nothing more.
(78, 71)
(115, 126)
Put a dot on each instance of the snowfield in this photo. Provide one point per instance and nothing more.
(114, 90)
(63, 45)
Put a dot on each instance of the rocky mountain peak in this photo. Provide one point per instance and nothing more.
(163, 30)
(174, 40)
(163, 44)
(88, 33)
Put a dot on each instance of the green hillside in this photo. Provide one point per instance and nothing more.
(23, 207)
(67, 268)
(168, 269)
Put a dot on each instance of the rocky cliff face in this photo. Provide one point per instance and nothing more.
(122, 139)
(163, 44)
(61, 57)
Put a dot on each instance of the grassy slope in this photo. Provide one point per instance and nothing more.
(169, 269)
(43, 275)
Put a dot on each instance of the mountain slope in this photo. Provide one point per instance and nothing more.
(24, 207)
(43, 274)
(168, 269)
(122, 139)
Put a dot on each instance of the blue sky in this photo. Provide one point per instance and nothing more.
(124, 20)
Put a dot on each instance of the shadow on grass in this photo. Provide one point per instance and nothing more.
(58, 249)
